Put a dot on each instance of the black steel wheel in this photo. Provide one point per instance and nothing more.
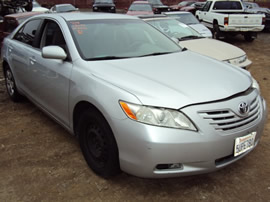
(98, 144)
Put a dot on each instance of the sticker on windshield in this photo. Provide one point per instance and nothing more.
(78, 27)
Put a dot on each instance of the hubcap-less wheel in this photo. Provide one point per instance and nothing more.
(10, 83)
(96, 145)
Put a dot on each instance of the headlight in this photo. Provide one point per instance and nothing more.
(157, 116)
(255, 84)
(95, 8)
(112, 8)
(238, 60)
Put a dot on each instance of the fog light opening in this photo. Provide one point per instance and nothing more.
(170, 166)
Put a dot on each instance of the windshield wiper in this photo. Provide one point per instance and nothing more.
(157, 53)
(189, 37)
(106, 58)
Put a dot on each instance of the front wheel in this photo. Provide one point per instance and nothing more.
(98, 144)
(11, 85)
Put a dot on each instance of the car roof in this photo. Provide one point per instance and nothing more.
(140, 2)
(89, 16)
(59, 5)
(23, 14)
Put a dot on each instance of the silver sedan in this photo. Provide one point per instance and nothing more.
(135, 99)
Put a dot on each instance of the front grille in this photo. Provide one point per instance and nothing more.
(225, 120)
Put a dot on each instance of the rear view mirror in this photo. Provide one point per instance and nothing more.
(54, 52)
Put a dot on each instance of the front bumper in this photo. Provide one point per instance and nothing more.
(142, 147)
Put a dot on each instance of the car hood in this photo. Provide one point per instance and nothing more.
(213, 48)
(173, 80)
(201, 29)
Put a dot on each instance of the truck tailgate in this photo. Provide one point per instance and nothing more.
(245, 20)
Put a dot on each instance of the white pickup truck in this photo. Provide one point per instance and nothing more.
(228, 17)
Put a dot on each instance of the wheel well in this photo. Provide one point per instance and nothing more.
(79, 108)
(4, 66)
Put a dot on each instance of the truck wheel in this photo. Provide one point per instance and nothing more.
(216, 31)
(98, 144)
(29, 5)
(249, 37)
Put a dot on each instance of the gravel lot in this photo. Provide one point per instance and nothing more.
(40, 161)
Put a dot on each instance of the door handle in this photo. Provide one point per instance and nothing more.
(32, 60)
(10, 49)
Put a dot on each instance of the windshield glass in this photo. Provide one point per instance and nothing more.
(103, 1)
(227, 5)
(155, 2)
(140, 7)
(65, 8)
(36, 4)
(186, 18)
(173, 28)
(118, 38)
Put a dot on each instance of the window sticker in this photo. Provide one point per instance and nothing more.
(78, 27)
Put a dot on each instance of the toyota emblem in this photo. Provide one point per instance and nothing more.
(243, 108)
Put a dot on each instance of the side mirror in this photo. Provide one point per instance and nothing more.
(53, 52)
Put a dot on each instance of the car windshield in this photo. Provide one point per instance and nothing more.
(66, 8)
(140, 7)
(36, 4)
(174, 29)
(186, 18)
(103, 1)
(155, 2)
(119, 38)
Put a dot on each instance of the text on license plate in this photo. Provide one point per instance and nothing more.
(243, 144)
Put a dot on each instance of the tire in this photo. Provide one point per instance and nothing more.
(216, 31)
(29, 6)
(11, 87)
(249, 37)
(98, 144)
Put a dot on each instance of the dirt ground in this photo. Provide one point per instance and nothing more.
(40, 161)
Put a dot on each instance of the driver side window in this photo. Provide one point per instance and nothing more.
(53, 36)
(207, 6)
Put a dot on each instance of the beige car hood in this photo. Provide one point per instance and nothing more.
(213, 48)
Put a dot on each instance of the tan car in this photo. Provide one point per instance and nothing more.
(192, 40)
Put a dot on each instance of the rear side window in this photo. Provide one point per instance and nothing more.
(227, 5)
(27, 33)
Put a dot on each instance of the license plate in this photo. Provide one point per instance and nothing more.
(243, 144)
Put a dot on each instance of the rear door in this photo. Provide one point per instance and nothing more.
(18, 51)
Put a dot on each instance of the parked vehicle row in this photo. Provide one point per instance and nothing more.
(137, 101)
(192, 40)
